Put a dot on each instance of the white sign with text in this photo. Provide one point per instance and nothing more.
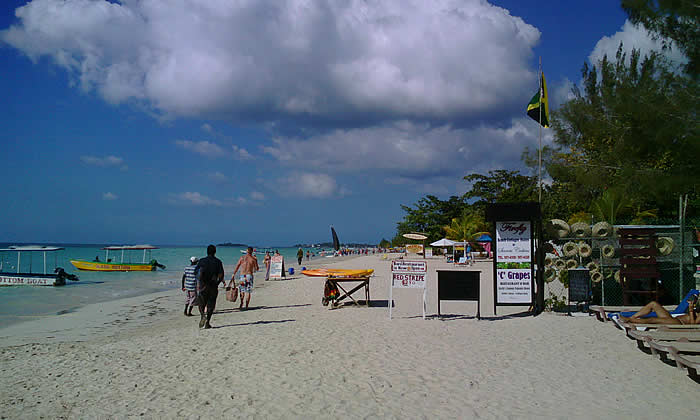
(514, 285)
(408, 275)
(513, 242)
(277, 267)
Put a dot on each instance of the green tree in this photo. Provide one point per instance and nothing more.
(610, 206)
(500, 186)
(632, 127)
(673, 22)
(429, 216)
(467, 227)
(384, 243)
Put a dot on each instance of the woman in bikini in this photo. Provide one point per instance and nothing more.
(663, 316)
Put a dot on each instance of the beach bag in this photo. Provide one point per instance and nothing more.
(231, 293)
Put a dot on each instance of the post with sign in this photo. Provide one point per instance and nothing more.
(407, 275)
(515, 225)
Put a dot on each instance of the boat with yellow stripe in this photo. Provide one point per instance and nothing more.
(108, 265)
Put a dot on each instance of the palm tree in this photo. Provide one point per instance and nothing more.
(468, 227)
(610, 206)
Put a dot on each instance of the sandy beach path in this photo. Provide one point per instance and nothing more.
(290, 357)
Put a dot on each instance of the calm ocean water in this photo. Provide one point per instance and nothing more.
(20, 303)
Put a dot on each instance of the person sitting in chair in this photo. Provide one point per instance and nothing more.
(665, 317)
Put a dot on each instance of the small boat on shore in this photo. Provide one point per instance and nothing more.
(109, 265)
(47, 278)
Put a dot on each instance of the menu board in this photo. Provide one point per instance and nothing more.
(277, 267)
(514, 263)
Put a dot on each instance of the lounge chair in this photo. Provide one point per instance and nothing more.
(628, 326)
(690, 362)
(662, 349)
(604, 313)
(663, 334)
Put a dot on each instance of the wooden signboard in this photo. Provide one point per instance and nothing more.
(460, 285)
(579, 285)
(414, 248)
(277, 267)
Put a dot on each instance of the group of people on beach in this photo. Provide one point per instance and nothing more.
(201, 279)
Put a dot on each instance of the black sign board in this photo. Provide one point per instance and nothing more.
(579, 285)
(459, 285)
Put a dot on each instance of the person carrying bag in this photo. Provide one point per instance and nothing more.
(231, 291)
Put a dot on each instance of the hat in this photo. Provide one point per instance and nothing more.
(194, 259)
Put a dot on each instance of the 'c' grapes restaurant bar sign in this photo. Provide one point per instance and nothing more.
(514, 263)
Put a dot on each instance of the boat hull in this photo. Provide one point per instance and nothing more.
(12, 279)
(104, 266)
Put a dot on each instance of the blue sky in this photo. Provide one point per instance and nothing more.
(192, 121)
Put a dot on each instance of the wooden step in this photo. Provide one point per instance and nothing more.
(638, 251)
(638, 261)
(637, 241)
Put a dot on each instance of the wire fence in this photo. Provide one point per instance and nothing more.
(676, 260)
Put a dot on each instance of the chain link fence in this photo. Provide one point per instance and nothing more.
(597, 248)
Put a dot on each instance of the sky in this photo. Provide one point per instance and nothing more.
(267, 121)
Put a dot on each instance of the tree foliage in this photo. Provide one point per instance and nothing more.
(626, 142)
(429, 216)
(633, 126)
(466, 227)
(501, 186)
(673, 22)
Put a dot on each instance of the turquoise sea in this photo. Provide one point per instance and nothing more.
(20, 303)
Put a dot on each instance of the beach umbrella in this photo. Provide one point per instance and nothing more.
(484, 238)
(336, 242)
(443, 242)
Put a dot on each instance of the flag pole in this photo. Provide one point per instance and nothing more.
(539, 150)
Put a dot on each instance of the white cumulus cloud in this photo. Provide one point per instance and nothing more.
(241, 153)
(204, 148)
(218, 177)
(194, 198)
(410, 150)
(311, 185)
(631, 36)
(108, 196)
(270, 59)
(106, 161)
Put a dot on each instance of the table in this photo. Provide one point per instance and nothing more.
(363, 282)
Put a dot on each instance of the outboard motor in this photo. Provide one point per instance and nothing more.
(62, 276)
(155, 263)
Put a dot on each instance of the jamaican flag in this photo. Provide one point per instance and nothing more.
(541, 99)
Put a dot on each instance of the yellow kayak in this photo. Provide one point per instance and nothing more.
(330, 272)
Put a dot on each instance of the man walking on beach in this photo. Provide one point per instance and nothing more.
(300, 255)
(211, 273)
(248, 265)
(189, 286)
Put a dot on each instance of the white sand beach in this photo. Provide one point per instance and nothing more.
(290, 357)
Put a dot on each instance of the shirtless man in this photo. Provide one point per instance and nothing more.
(248, 265)
(663, 316)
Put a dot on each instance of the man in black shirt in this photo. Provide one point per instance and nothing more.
(210, 272)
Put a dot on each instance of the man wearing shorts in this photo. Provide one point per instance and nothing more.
(248, 265)
(189, 286)
(211, 272)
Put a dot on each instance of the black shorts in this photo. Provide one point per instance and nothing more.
(207, 297)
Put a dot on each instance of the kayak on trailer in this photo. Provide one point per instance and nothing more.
(323, 272)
